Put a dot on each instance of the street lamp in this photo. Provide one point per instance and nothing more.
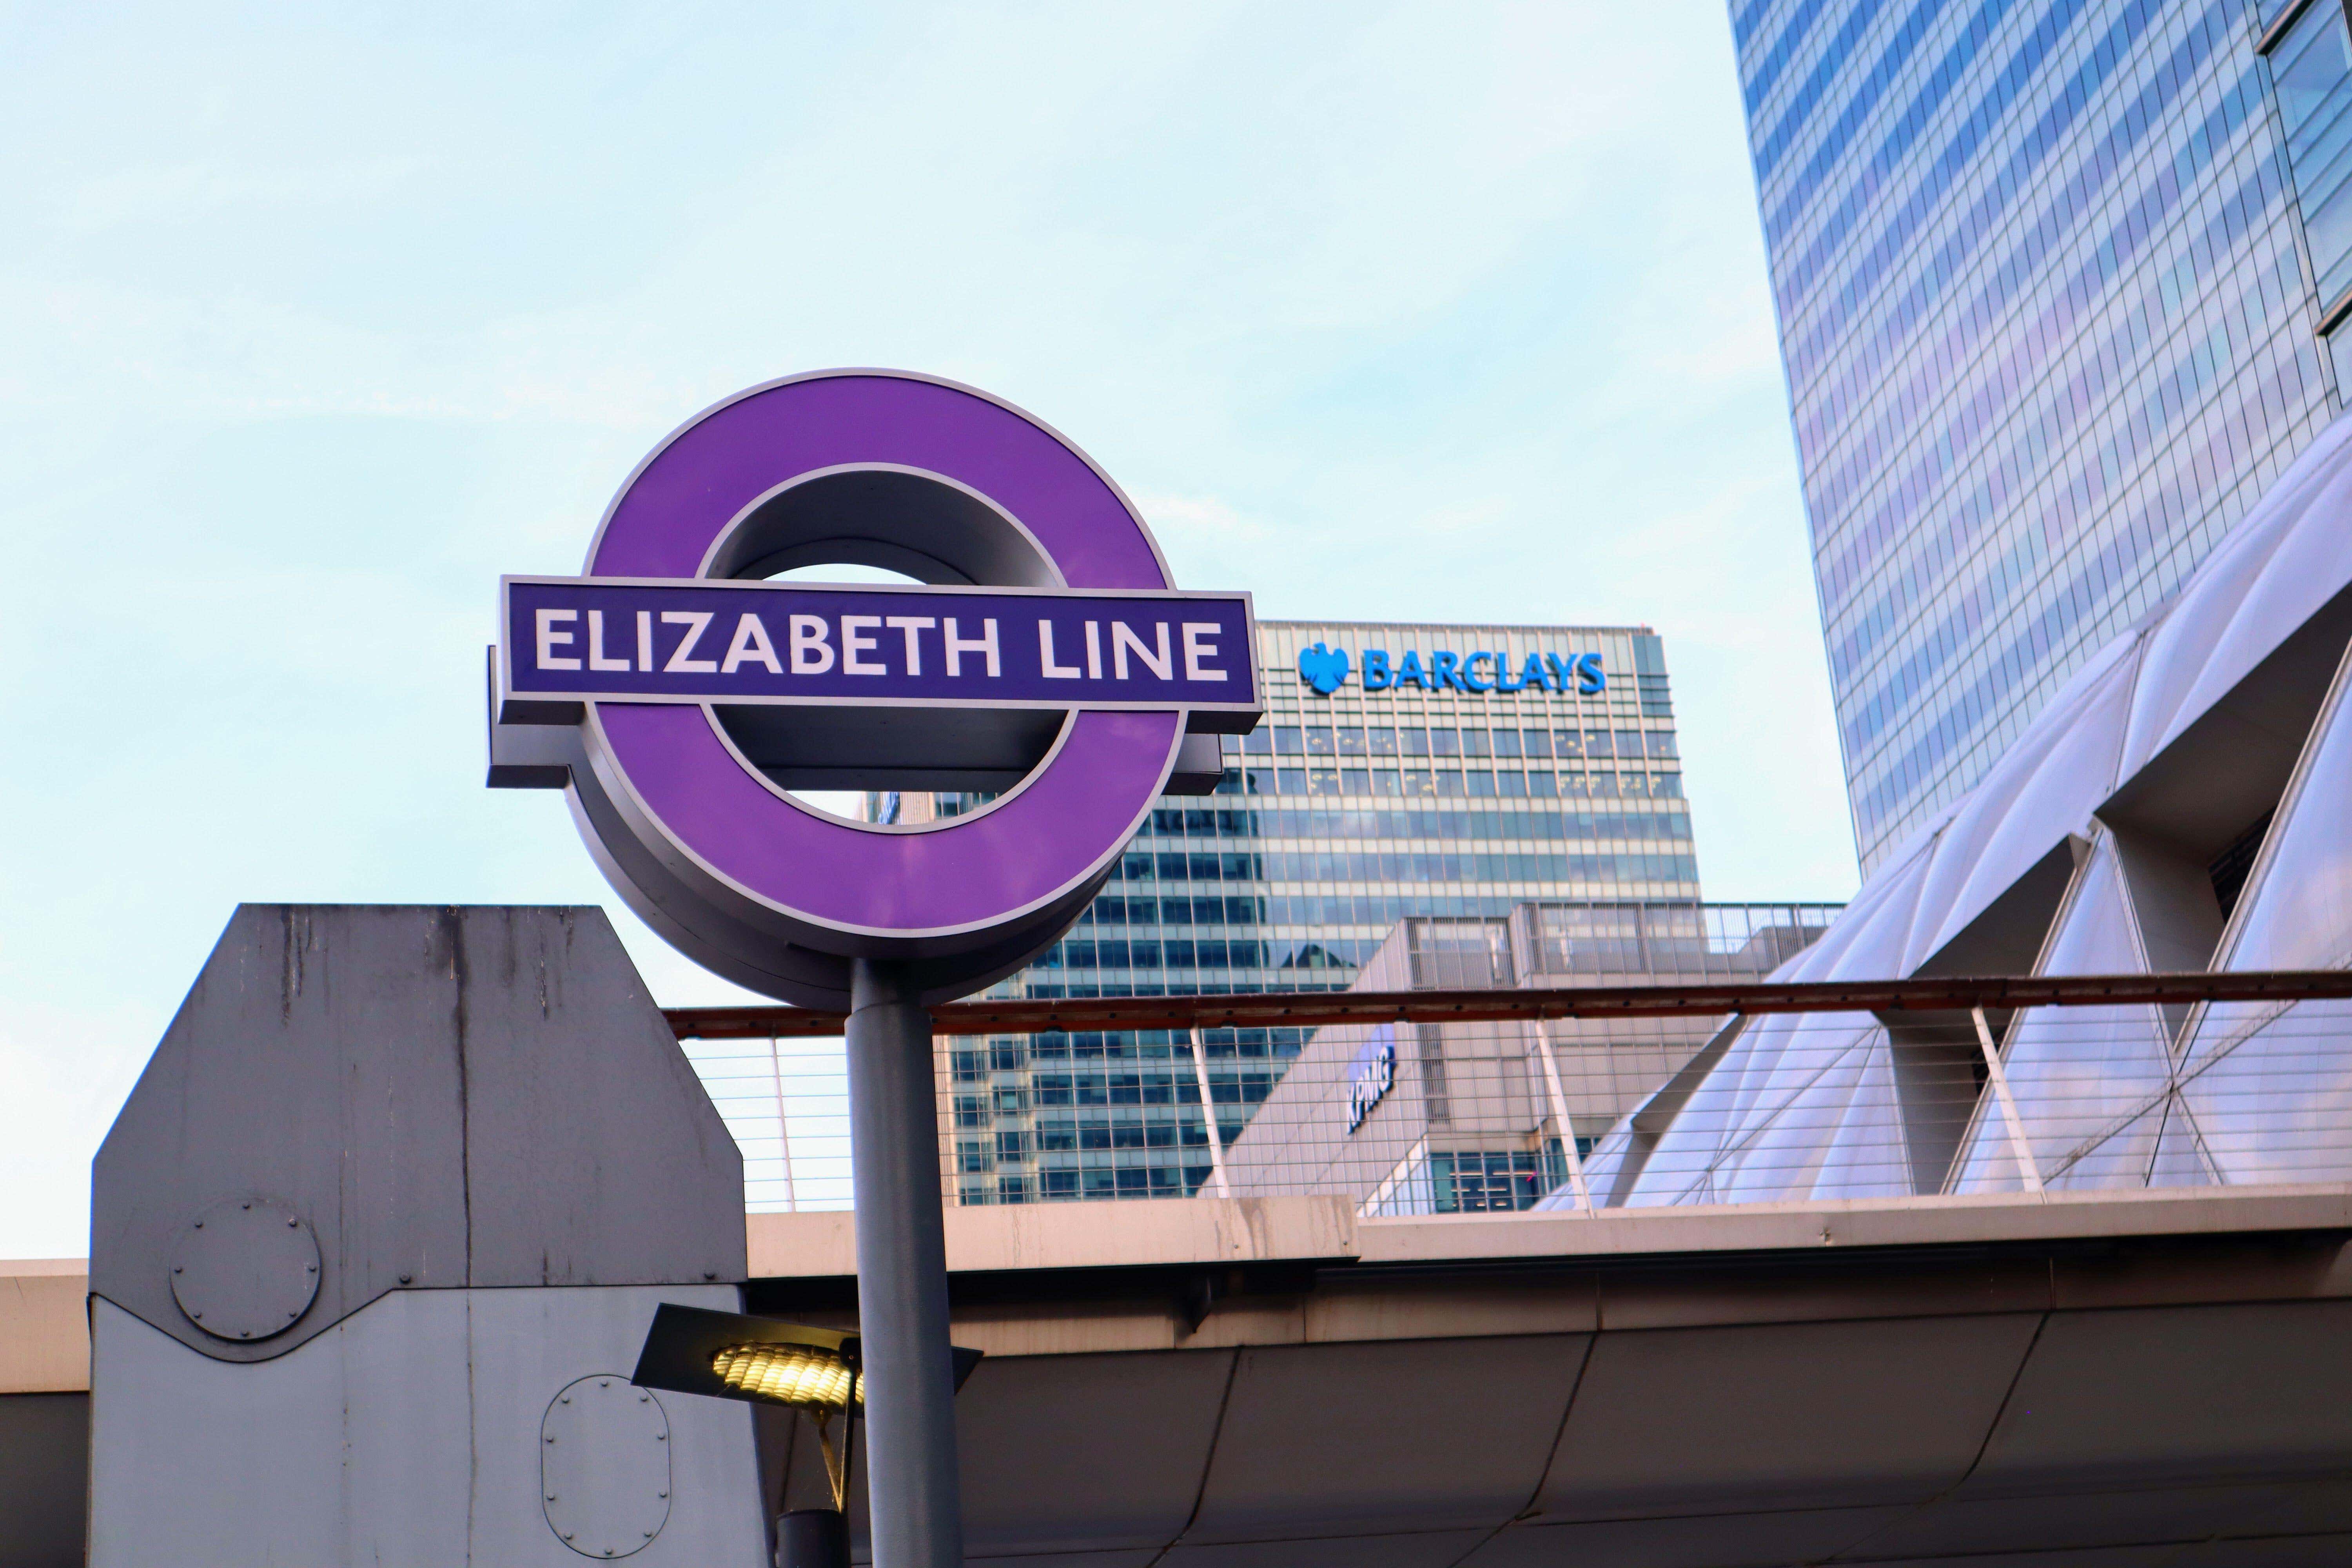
(766, 1361)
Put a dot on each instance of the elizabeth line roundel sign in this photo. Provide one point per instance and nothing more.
(679, 695)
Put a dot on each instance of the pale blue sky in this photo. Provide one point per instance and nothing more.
(313, 320)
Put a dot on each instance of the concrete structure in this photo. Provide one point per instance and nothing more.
(1455, 1118)
(2117, 1380)
(2062, 291)
(2177, 806)
(375, 1240)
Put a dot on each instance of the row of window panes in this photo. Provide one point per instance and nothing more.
(2134, 438)
(2068, 618)
(1883, 394)
(1013, 1054)
(1383, 741)
(1445, 824)
(2146, 528)
(1124, 1182)
(1465, 782)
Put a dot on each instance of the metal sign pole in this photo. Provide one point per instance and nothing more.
(620, 684)
(902, 1274)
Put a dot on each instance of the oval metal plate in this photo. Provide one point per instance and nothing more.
(604, 1466)
(245, 1268)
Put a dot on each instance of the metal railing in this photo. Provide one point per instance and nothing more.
(1437, 1101)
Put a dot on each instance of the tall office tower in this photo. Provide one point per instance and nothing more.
(2056, 283)
(1402, 770)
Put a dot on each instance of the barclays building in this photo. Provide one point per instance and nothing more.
(1402, 772)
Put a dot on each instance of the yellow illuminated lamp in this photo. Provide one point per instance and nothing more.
(808, 1377)
(816, 1378)
(730, 1355)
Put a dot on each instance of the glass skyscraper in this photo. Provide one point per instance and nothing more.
(2061, 287)
(1449, 771)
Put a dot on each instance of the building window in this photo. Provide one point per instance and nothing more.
(2311, 69)
(1485, 1181)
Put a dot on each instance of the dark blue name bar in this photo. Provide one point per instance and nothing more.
(694, 640)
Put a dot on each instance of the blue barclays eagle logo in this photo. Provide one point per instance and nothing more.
(1324, 668)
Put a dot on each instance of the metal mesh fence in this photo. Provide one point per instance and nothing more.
(1481, 1116)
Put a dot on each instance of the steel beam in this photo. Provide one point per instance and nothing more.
(1313, 1009)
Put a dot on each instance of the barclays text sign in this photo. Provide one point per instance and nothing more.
(1326, 669)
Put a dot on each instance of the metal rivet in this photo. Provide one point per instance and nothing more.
(249, 1206)
(565, 1399)
(200, 1225)
(710, 1274)
(310, 1268)
(567, 1535)
(645, 1398)
(551, 1496)
(291, 1220)
(198, 1315)
(661, 1437)
(550, 1439)
(649, 1535)
(662, 1494)
(404, 1278)
(245, 1333)
(178, 1270)
(604, 1384)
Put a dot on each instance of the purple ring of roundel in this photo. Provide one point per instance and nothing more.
(1076, 810)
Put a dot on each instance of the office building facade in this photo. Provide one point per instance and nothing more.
(1477, 1118)
(1402, 770)
(2061, 287)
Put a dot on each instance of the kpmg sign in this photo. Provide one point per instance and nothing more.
(1372, 1075)
(681, 693)
(1326, 669)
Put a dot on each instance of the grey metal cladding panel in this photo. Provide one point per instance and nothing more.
(315, 1060)
(409, 1436)
(482, 1095)
(360, 1438)
(1436, 1549)
(593, 1155)
(1713, 1540)
(1086, 1452)
(1143, 1557)
(2142, 1517)
(44, 1480)
(2293, 1552)
(1781, 1417)
(2191, 1394)
(1357, 1439)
